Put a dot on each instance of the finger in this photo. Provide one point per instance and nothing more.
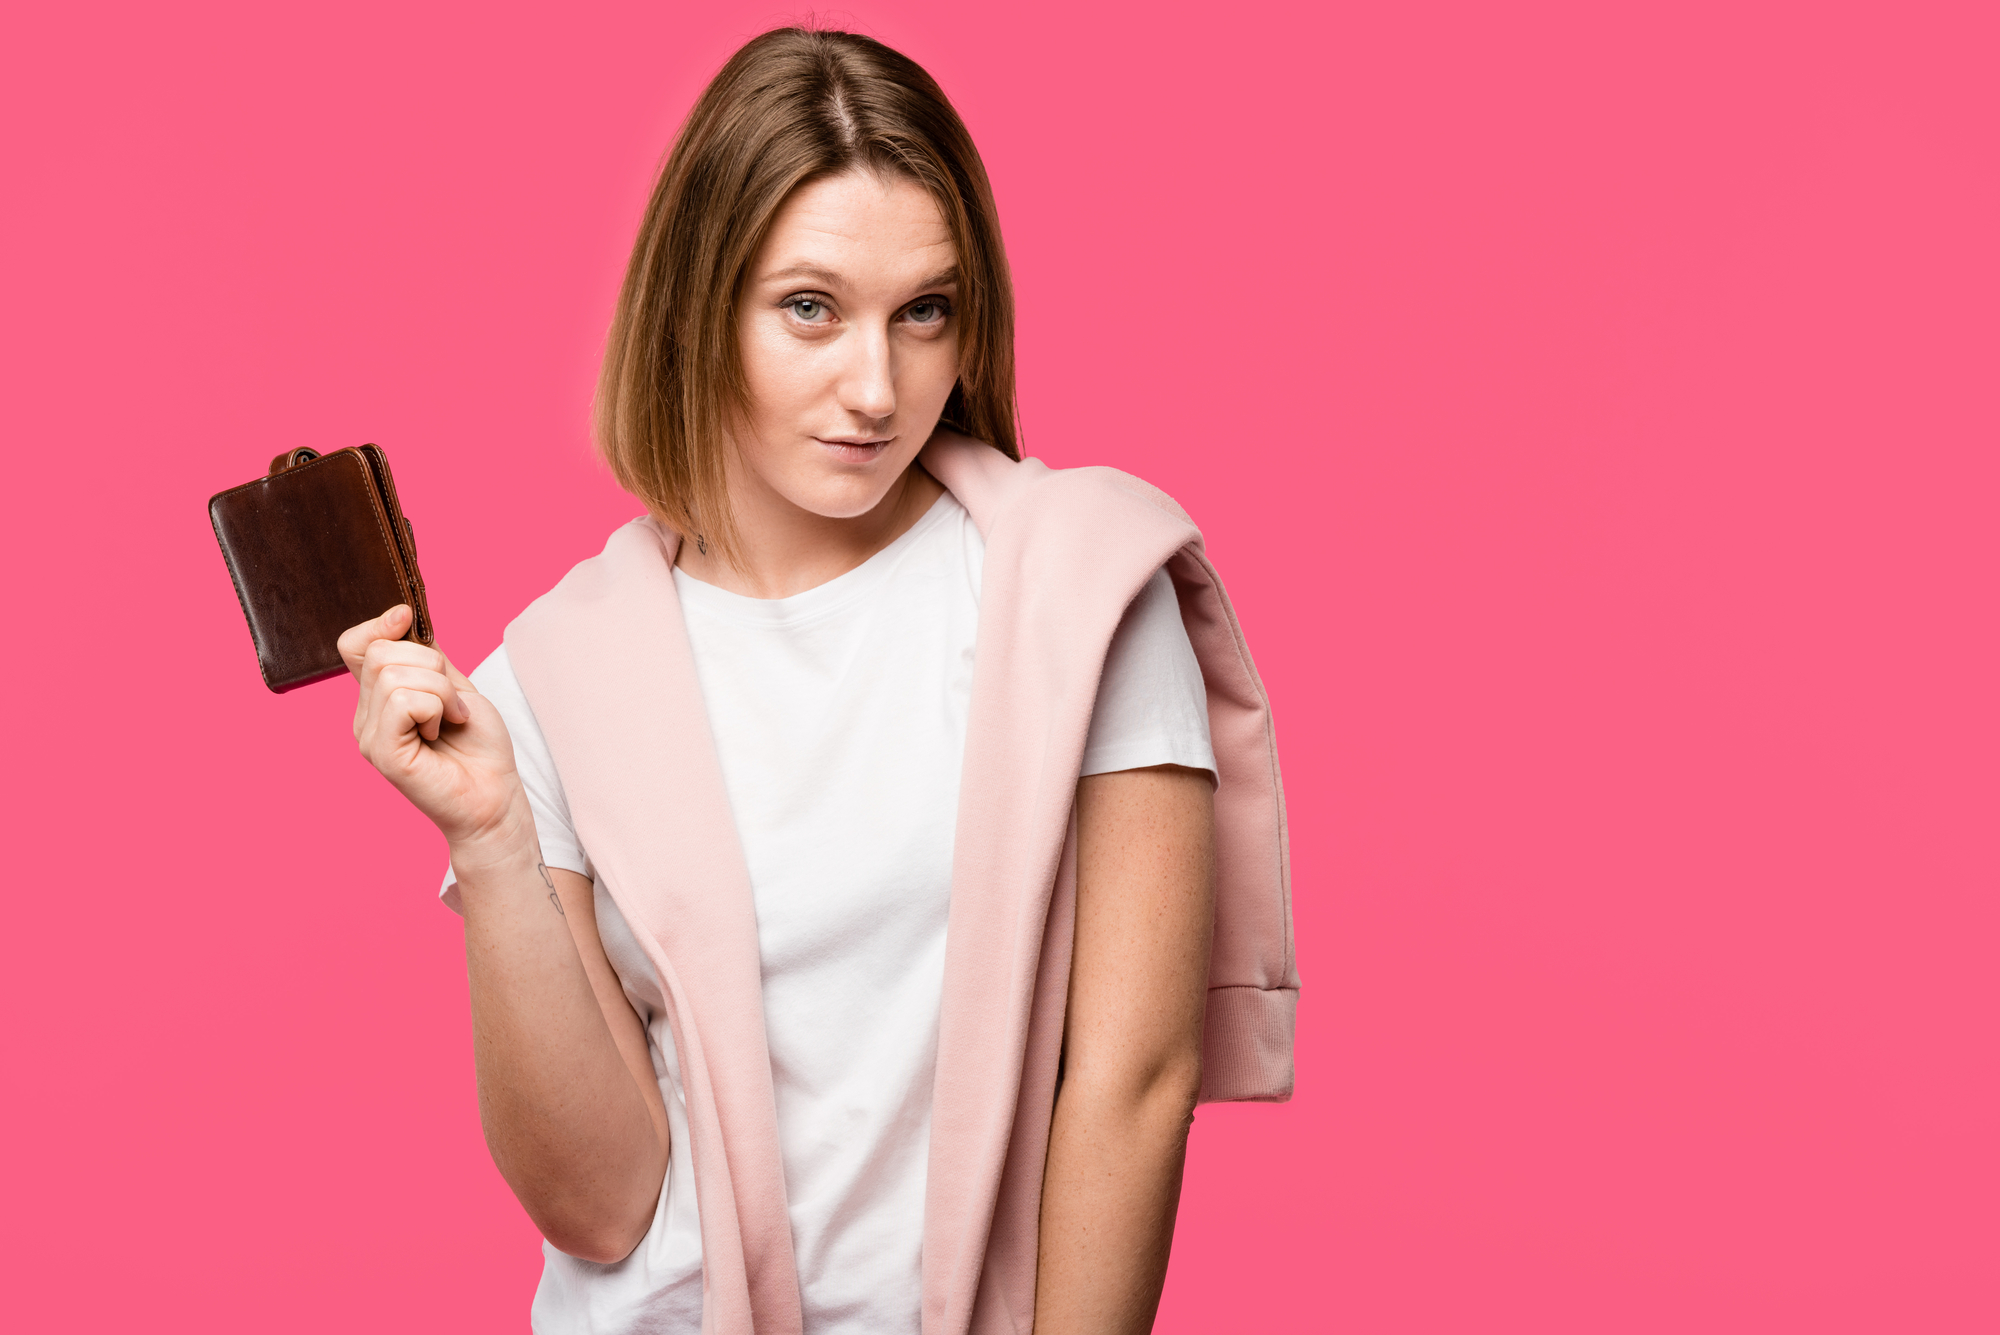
(403, 676)
(460, 683)
(384, 653)
(459, 679)
(354, 641)
(381, 654)
(407, 709)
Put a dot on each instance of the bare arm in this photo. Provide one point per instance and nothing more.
(567, 1094)
(1132, 1048)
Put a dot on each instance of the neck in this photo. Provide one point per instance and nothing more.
(783, 549)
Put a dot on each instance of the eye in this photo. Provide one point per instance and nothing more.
(809, 310)
(930, 310)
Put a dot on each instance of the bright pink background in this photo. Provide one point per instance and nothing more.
(1593, 409)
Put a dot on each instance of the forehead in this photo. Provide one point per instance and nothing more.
(861, 225)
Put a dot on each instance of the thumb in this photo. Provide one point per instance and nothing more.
(354, 641)
(459, 681)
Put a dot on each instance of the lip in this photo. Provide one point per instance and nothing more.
(856, 449)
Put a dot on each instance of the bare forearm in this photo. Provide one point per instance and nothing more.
(564, 1119)
(1109, 1195)
(1132, 1049)
(572, 1115)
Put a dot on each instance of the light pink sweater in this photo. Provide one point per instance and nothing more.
(605, 663)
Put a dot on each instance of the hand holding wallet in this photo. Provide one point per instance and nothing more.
(317, 545)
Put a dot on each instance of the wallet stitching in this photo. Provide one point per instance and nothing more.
(237, 584)
(375, 505)
(375, 490)
(406, 564)
(381, 522)
(403, 576)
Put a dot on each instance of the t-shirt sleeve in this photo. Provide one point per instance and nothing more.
(1152, 708)
(495, 680)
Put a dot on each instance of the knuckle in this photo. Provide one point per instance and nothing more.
(415, 702)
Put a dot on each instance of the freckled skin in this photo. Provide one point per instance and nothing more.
(849, 344)
(850, 347)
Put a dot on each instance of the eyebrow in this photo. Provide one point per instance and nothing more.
(807, 269)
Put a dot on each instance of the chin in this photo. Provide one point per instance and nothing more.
(847, 497)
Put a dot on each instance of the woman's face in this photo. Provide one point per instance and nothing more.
(849, 340)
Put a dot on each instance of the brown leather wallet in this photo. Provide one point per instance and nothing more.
(315, 546)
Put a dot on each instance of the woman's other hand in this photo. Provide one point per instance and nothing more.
(423, 724)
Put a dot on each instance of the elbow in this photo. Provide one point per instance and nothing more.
(1154, 1097)
(587, 1208)
(602, 1242)
(592, 1228)
(601, 1250)
(1174, 1089)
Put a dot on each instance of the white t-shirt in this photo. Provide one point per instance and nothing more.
(839, 719)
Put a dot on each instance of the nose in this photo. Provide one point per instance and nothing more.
(868, 380)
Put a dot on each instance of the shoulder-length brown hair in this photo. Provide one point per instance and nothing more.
(792, 106)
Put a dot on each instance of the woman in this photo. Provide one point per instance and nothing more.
(827, 975)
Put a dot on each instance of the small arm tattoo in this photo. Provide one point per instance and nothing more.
(549, 881)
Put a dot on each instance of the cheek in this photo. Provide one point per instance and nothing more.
(776, 371)
(930, 369)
